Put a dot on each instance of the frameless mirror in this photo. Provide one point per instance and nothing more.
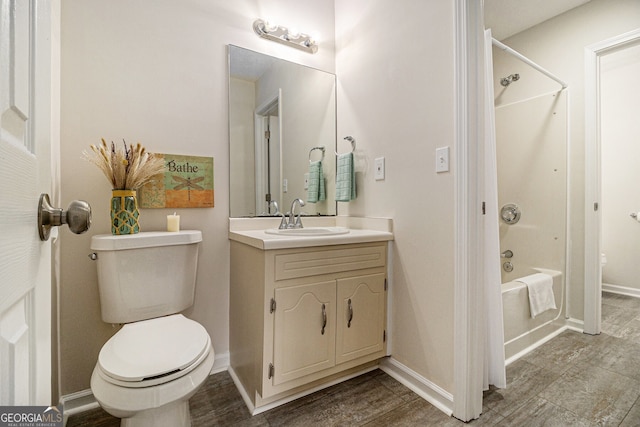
(282, 116)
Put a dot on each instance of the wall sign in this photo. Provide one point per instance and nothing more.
(187, 183)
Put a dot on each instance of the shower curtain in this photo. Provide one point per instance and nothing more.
(494, 369)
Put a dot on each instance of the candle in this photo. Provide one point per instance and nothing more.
(173, 222)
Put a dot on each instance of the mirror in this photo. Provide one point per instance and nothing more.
(282, 116)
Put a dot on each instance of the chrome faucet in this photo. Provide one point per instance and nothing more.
(275, 205)
(295, 221)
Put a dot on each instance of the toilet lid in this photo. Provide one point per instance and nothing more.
(153, 348)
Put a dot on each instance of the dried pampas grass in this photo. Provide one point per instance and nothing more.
(126, 169)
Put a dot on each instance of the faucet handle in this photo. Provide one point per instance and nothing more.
(283, 222)
(506, 254)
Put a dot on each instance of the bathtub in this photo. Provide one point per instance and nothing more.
(522, 333)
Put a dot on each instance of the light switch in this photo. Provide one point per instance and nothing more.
(442, 159)
(306, 181)
(379, 165)
(285, 185)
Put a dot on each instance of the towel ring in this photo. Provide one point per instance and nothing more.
(316, 148)
(352, 140)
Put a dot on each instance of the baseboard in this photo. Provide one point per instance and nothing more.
(575, 324)
(622, 290)
(424, 388)
(78, 402)
(84, 400)
(243, 393)
(253, 410)
(221, 363)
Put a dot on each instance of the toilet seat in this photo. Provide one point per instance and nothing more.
(154, 351)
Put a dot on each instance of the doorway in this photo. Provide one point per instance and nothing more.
(596, 167)
(268, 156)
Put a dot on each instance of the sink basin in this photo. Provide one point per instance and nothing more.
(308, 231)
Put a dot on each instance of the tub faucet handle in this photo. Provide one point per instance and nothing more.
(506, 254)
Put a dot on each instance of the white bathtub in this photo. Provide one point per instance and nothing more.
(521, 332)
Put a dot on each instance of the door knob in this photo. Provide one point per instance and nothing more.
(77, 216)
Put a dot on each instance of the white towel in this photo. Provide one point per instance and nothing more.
(541, 297)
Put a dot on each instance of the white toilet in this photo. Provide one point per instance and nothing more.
(148, 370)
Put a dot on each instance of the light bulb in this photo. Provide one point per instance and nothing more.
(270, 26)
(293, 33)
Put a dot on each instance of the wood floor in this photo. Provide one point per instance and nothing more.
(572, 380)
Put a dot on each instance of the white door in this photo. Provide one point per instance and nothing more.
(25, 172)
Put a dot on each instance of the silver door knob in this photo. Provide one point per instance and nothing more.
(77, 217)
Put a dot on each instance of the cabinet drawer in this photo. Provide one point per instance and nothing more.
(303, 264)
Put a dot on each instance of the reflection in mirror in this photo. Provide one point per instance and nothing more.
(278, 112)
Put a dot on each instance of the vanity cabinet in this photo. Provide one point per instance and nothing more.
(303, 316)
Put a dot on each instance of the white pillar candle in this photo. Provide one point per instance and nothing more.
(173, 222)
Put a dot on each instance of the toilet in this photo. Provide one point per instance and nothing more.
(149, 369)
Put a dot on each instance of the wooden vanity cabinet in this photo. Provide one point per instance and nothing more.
(304, 315)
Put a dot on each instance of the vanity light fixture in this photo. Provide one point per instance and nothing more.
(285, 36)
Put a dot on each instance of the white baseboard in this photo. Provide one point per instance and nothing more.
(622, 290)
(576, 325)
(253, 410)
(84, 400)
(243, 393)
(76, 403)
(424, 388)
(221, 363)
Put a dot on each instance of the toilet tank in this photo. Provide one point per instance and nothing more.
(145, 275)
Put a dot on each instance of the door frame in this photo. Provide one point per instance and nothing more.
(593, 184)
(469, 85)
(262, 168)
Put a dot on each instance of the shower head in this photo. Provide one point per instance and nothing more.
(506, 81)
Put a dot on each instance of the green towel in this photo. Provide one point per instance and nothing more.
(345, 178)
(315, 191)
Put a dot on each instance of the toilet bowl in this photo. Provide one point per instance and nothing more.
(149, 369)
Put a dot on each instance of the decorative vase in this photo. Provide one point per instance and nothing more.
(124, 212)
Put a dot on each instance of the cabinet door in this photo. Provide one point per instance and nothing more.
(304, 330)
(361, 317)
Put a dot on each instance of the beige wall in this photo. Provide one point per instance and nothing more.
(241, 131)
(394, 63)
(558, 45)
(155, 72)
(620, 133)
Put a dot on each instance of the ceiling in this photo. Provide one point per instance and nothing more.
(509, 17)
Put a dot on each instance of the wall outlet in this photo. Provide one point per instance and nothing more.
(442, 159)
(379, 165)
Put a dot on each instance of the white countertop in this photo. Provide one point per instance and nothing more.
(251, 231)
